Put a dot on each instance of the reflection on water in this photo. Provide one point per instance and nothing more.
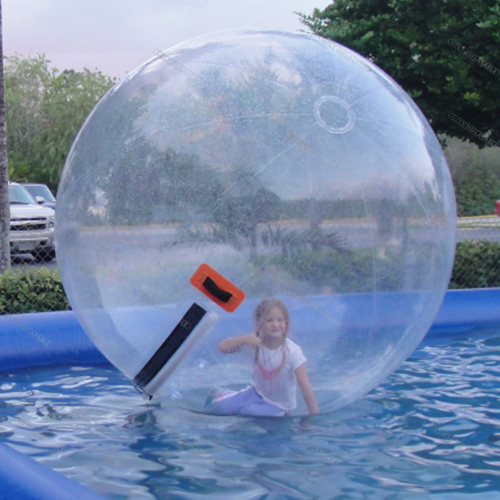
(405, 439)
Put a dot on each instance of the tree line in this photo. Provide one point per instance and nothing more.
(445, 55)
(45, 108)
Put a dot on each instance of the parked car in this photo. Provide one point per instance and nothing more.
(31, 225)
(42, 194)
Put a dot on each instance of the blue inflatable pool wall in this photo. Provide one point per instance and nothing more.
(22, 478)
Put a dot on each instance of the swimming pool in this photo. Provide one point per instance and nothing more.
(432, 429)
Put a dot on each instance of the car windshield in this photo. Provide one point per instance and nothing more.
(40, 190)
(18, 194)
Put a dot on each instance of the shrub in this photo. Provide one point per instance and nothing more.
(32, 290)
(477, 265)
(476, 188)
(345, 270)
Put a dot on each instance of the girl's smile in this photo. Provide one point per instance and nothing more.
(273, 326)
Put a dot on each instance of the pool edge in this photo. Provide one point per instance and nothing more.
(40, 339)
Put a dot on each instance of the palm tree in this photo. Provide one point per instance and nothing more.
(4, 184)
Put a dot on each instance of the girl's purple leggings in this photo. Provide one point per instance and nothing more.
(246, 402)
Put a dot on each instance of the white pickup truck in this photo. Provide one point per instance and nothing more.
(31, 225)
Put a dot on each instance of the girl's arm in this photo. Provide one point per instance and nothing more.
(233, 344)
(306, 389)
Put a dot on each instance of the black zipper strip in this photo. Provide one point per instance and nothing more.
(172, 343)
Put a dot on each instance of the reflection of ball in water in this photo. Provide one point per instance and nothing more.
(288, 167)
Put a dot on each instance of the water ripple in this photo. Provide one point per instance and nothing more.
(431, 429)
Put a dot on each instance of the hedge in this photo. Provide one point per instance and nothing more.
(477, 265)
(32, 290)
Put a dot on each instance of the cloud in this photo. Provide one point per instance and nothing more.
(116, 36)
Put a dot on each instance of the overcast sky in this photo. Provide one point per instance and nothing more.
(116, 36)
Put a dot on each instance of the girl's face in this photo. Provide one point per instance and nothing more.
(273, 325)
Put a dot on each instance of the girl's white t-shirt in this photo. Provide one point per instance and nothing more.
(279, 387)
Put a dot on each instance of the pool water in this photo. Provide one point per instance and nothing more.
(432, 430)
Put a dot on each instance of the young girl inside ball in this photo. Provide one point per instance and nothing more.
(279, 365)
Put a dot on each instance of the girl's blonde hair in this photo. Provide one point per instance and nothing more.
(259, 315)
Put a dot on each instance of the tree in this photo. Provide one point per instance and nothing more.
(476, 188)
(413, 41)
(45, 110)
(4, 181)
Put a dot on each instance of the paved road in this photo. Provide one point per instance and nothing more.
(477, 221)
(484, 229)
(352, 234)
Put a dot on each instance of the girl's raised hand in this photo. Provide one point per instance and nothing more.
(252, 340)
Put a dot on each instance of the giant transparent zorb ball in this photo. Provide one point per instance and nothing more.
(293, 168)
